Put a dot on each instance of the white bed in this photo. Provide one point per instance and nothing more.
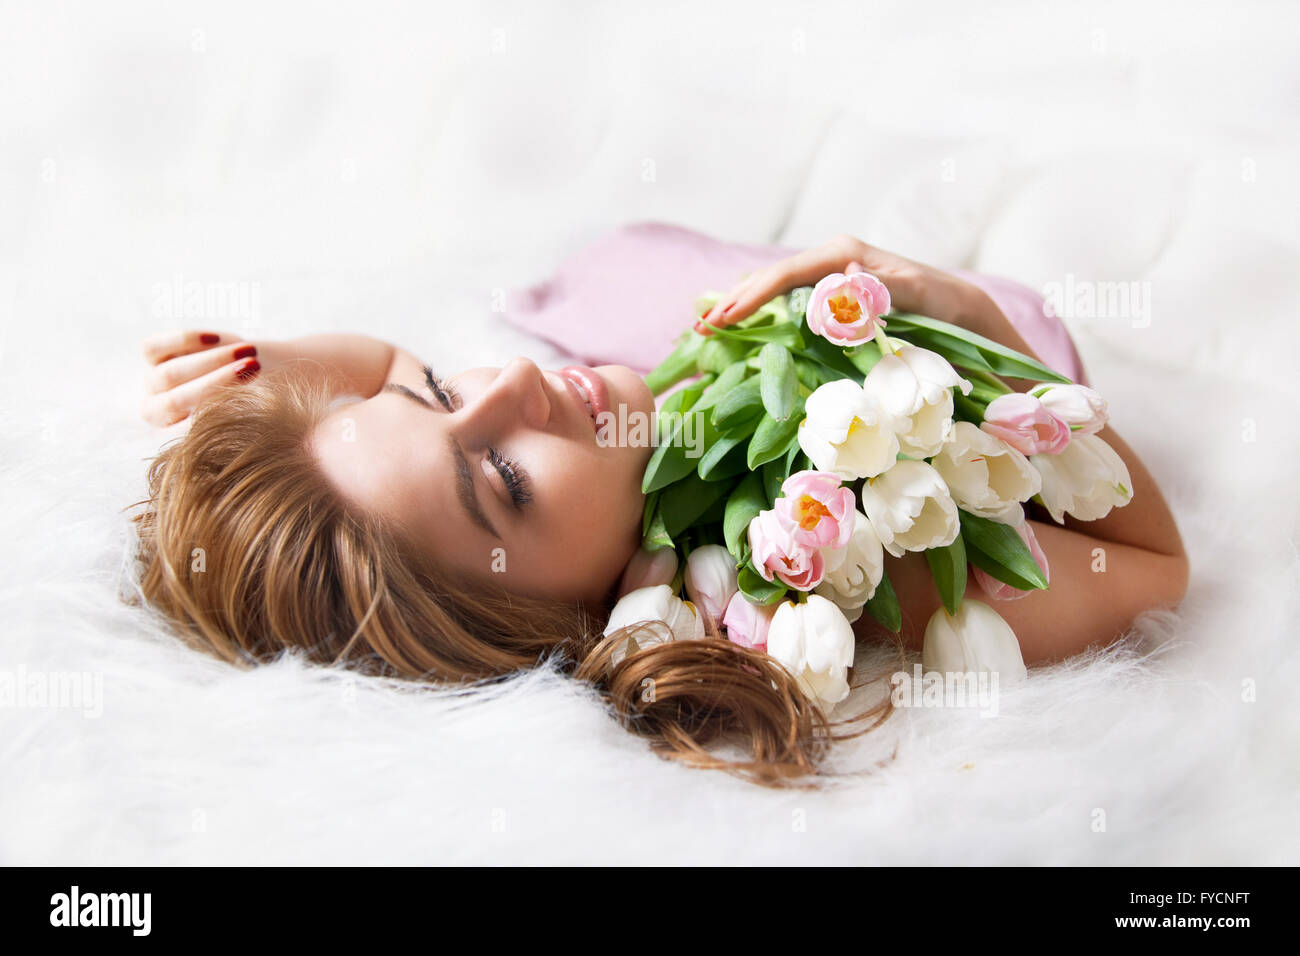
(394, 168)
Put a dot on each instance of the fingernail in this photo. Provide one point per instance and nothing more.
(209, 338)
(728, 309)
(245, 351)
(251, 368)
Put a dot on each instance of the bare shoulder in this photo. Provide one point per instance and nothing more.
(1097, 589)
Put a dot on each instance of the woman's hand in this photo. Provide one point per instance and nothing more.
(188, 366)
(913, 287)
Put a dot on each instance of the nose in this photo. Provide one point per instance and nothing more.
(516, 396)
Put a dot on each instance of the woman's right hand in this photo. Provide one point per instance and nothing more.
(187, 366)
(913, 287)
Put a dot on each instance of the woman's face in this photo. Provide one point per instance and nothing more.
(500, 473)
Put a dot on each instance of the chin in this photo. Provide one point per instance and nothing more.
(628, 387)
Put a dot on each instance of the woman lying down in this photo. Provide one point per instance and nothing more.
(354, 506)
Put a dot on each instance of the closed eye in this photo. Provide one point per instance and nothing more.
(444, 393)
(515, 478)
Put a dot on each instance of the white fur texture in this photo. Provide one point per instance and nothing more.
(393, 169)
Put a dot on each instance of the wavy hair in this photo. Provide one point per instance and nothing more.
(251, 553)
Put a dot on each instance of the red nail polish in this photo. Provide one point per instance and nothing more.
(251, 368)
(245, 351)
(728, 309)
(208, 338)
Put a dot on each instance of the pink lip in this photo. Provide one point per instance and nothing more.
(585, 380)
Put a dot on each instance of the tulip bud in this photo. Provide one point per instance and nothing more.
(711, 582)
(748, 623)
(647, 569)
(657, 603)
(814, 642)
(975, 639)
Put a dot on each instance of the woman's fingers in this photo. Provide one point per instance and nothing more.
(175, 404)
(741, 302)
(177, 371)
(168, 345)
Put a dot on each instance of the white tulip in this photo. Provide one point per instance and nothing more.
(814, 642)
(657, 603)
(1085, 480)
(1083, 409)
(911, 508)
(854, 571)
(986, 476)
(711, 582)
(847, 432)
(975, 639)
(915, 386)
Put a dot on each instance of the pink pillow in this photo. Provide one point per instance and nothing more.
(625, 298)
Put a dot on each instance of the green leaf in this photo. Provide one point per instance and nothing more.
(757, 589)
(772, 438)
(683, 502)
(883, 605)
(742, 507)
(681, 363)
(672, 460)
(656, 535)
(948, 568)
(724, 383)
(967, 409)
(716, 463)
(998, 359)
(832, 357)
(742, 403)
(864, 357)
(648, 512)
(718, 353)
(812, 375)
(774, 475)
(777, 380)
(781, 333)
(997, 549)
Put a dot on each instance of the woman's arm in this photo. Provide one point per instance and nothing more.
(1146, 522)
(188, 366)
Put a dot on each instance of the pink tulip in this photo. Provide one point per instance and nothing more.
(747, 623)
(774, 551)
(1000, 589)
(1026, 424)
(817, 508)
(646, 569)
(847, 309)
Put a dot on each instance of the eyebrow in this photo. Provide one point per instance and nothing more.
(465, 489)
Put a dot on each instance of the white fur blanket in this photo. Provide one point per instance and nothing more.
(392, 167)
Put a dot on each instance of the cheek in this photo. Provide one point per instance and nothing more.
(593, 503)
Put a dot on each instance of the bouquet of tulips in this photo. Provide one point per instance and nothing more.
(810, 442)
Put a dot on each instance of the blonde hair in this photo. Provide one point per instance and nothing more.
(248, 549)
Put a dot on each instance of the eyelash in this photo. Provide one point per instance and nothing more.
(438, 387)
(516, 481)
(514, 477)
